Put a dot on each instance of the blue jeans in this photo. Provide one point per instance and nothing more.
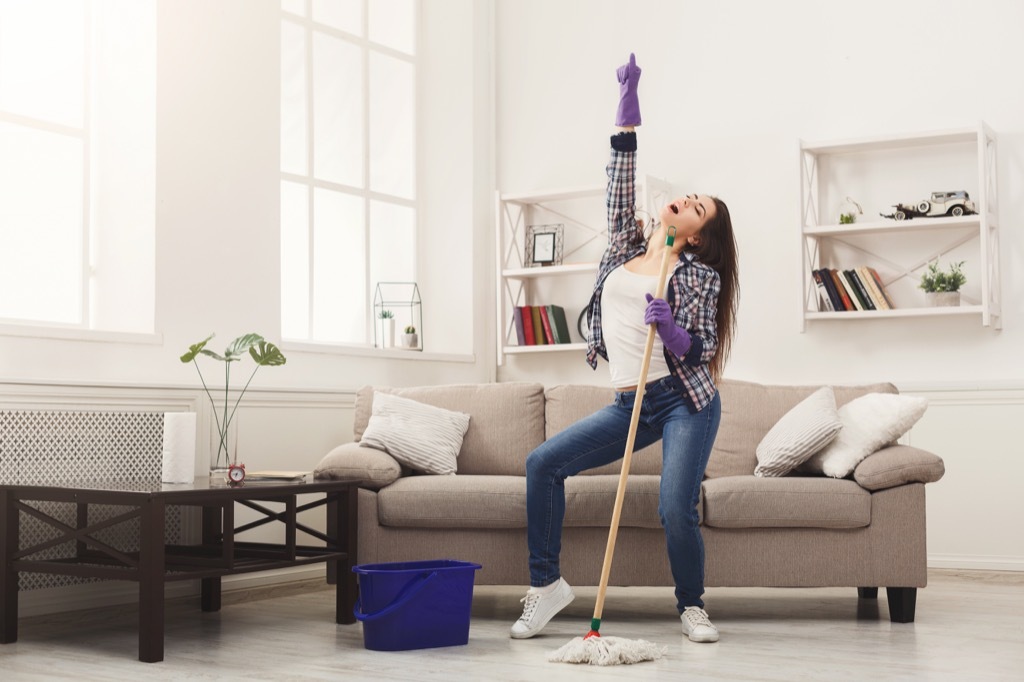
(600, 439)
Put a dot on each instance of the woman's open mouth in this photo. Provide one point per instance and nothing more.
(675, 209)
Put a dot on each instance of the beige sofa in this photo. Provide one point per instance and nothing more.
(795, 531)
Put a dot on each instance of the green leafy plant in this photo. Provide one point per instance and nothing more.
(934, 280)
(410, 329)
(264, 353)
(387, 315)
(847, 218)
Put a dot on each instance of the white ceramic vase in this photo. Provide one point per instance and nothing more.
(942, 298)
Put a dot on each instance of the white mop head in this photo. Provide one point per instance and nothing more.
(607, 651)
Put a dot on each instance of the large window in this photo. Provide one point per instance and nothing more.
(77, 158)
(348, 162)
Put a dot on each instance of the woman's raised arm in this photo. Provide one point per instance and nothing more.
(621, 192)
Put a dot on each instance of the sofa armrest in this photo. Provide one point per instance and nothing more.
(898, 465)
(372, 468)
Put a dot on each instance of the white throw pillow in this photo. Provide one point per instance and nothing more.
(420, 436)
(801, 432)
(870, 422)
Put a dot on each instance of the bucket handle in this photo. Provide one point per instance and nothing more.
(400, 600)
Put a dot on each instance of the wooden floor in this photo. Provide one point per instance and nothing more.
(970, 626)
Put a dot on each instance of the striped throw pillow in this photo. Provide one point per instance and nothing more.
(420, 436)
(802, 432)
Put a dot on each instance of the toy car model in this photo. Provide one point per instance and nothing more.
(940, 204)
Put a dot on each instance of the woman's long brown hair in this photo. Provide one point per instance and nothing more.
(717, 250)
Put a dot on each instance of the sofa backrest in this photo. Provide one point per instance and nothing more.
(506, 421)
(750, 410)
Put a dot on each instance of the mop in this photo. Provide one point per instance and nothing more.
(593, 648)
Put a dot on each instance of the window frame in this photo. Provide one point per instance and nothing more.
(366, 195)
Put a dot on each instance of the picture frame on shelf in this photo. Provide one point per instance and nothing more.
(544, 245)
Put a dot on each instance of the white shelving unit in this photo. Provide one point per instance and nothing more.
(583, 214)
(879, 172)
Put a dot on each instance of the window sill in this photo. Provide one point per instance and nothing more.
(77, 334)
(369, 352)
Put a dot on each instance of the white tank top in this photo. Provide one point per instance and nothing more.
(625, 334)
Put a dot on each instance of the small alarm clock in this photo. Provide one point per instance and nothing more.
(236, 473)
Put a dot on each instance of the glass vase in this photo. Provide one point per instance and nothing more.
(223, 448)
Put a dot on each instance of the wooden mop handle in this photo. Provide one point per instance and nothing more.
(634, 421)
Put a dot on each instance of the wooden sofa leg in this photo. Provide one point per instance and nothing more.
(867, 592)
(902, 601)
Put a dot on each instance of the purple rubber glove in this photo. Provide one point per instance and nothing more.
(675, 338)
(629, 105)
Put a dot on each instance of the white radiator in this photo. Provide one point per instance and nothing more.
(45, 447)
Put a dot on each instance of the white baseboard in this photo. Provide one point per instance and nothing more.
(979, 563)
(115, 592)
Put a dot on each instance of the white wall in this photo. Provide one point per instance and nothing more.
(728, 88)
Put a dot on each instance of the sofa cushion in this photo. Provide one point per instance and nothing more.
(803, 431)
(371, 468)
(870, 422)
(500, 502)
(590, 500)
(750, 410)
(787, 502)
(422, 437)
(461, 501)
(568, 404)
(898, 465)
(506, 421)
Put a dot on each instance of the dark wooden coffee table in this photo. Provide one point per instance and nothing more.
(155, 562)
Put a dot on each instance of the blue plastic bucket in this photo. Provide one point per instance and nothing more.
(415, 604)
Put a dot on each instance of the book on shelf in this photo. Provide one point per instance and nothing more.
(851, 295)
(528, 334)
(538, 326)
(840, 290)
(824, 301)
(881, 287)
(561, 325)
(830, 286)
(549, 336)
(857, 288)
(517, 320)
(869, 283)
(860, 290)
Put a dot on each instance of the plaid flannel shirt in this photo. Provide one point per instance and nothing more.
(693, 287)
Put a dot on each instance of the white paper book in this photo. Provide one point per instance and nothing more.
(278, 475)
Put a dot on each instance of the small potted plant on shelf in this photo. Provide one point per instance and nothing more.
(410, 339)
(942, 288)
(848, 212)
(388, 328)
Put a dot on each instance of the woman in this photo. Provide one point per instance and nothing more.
(695, 324)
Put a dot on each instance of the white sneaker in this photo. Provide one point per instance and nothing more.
(697, 626)
(540, 607)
